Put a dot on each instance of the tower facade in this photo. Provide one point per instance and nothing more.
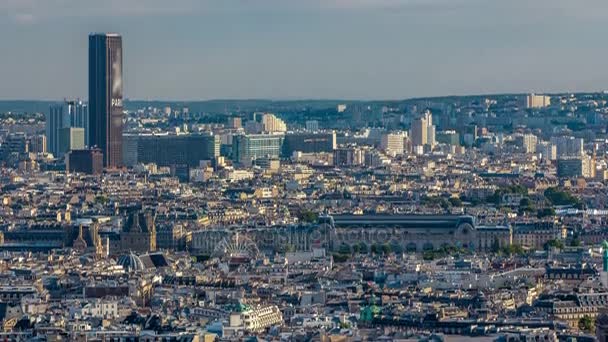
(105, 96)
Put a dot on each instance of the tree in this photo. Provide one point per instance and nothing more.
(495, 245)
(386, 248)
(340, 257)
(344, 249)
(308, 216)
(554, 243)
(541, 213)
(513, 250)
(396, 248)
(558, 197)
(586, 323)
(363, 247)
(455, 201)
(376, 249)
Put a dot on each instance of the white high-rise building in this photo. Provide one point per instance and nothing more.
(423, 130)
(529, 143)
(272, 124)
(393, 143)
(537, 101)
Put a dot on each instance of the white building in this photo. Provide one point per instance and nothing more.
(257, 319)
(393, 143)
(537, 101)
(273, 124)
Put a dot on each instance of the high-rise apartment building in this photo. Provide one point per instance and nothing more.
(537, 101)
(546, 150)
(272, 124)
(105, 96)
(393, 143)
(423, 130)
(568, 146)
(529, 142)
(419, 132)
(235, 122)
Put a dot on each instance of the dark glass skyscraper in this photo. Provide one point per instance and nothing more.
(105, 96)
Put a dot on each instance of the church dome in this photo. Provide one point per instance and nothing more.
(130, 262)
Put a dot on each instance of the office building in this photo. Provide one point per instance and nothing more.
(70, 138)
(78, 113)
(249, 147)
(89, 161)
(105, 96)
(170, 149)
(573, 167)
(537, 101)
(393, 143)
(56, 119)
(308, 143)
(64, 115)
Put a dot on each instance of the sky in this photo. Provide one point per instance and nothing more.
(307, 49)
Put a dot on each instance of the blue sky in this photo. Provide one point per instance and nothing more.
(293, 49)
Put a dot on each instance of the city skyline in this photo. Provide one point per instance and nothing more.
(343, 49)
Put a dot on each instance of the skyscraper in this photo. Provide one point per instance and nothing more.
(55, 121)
(68, 114)
(105, 96)
(79, 117)
(419, 132)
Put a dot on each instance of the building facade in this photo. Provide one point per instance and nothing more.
(170, 149)
(249, 147)
(89, 161)
(308, 143)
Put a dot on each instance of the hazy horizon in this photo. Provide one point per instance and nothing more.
(192, 50)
